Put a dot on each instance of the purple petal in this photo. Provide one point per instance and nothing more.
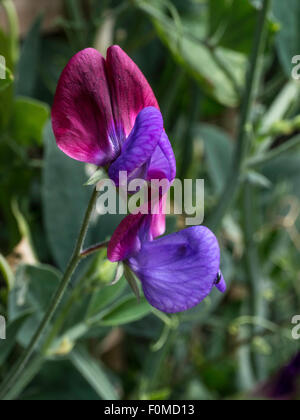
(178, 271)
(163, 162)
(82, 114)
(140, 145)
(130, 90)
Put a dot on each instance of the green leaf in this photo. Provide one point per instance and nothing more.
(219, 150)
(285, 169)
(28, 121)
(7, 272)
(29, 61)
(210, 67)
(126, 311)
(232, 23)
(6, 346)
(258, 179)
(104, 297)
(34, 288)
(6, 95)
(94, 373)
(6, 76)
(65, 200)
(281, 105)
(132, 281)
(288, 38)
(96, 177)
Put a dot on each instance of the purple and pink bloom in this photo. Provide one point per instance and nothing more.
(106, 113)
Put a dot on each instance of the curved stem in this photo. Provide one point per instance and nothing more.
(18, 370)
(233, 180)
(93, 249)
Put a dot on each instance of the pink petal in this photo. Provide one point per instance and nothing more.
(129, 88)
(158, 221)
(125, 240)
(82, 114)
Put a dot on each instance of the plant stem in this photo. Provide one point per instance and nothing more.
(93, 249)
(233, 180)
(75, 259)
(254, 274)
(13, 21)
(273, 154)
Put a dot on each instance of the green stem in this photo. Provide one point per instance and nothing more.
(13, 21)
(242, 144)
(264, 158)
(93, 249)
(18, 370)
(257, 302)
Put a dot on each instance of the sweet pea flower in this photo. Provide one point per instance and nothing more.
(105, 113)
(176, 271)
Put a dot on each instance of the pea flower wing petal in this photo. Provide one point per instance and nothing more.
(130, 90)
(178, 271)
(82, 115)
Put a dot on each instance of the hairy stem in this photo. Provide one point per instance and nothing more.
(19, 369)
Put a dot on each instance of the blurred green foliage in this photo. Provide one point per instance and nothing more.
(103, 343)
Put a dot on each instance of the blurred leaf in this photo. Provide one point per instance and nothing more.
(7, 272)
(6, 346)
(232, 23)
(96, 177)
(104, 297)
(28, 121)
(94, 373)
(56, 381)
(6, 76)
(281, 105)
(285, 169)
(29, 61)
(258, 179)
(65, 200)
(211, 67)
(132, 281)
(128, 310)
(6, 95)
(288, 38)
(219, 150)
(33, 291)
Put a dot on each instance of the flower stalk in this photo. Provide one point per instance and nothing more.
(19, 368)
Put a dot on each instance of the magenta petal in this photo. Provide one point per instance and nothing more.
(140, 145)
(125, 240)
(82, 114)
(163, 162)
(178, 271)
(129, 88)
